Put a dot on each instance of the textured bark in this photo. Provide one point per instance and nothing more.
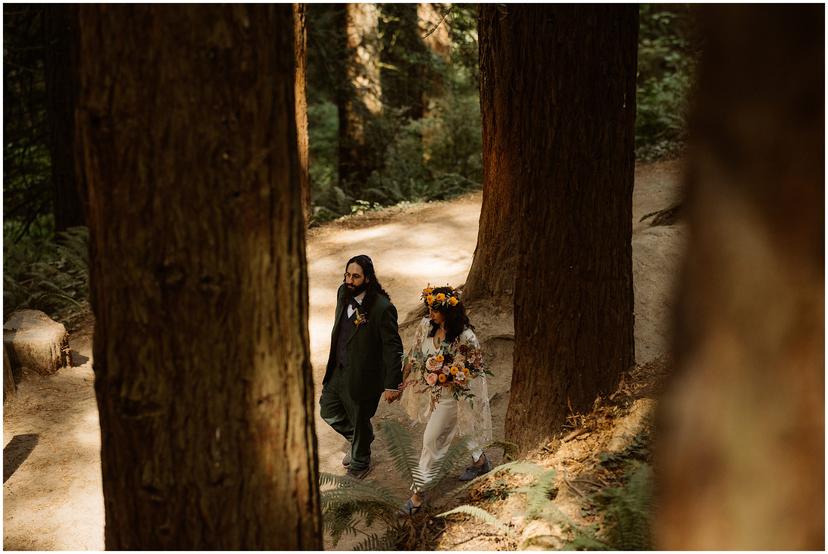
(492, 273)
(558, 98)
(300, 55)
(198, 277)
(60, 25)
(358, 98)
(741, 452)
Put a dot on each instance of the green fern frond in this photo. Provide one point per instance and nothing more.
(332, 479)
(586, 541)
(457, 454)
(376, 542)
(480, 514)
(402, 451)
(336, 497)
(629, 509)
(537, 497)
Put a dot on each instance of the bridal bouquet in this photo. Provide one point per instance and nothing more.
(454, 372)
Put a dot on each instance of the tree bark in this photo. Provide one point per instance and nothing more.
(198, 277)
(300, 55)
(742, 431)
(492, 273)
(558, 100)
(403, 57)
(358, 98)
(60, 69)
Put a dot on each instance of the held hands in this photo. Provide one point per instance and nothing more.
(391, 395)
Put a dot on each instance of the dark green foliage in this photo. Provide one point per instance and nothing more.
(45, 274)
(628, 509)
(667, 54)
(426, 144)
(27, 180)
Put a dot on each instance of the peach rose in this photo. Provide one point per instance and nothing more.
(431, 378)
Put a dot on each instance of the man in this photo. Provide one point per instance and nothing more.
(365, 361)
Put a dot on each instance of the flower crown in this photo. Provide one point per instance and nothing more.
(450, 298)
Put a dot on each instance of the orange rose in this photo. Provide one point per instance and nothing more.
(439, 358)
(440, 297)
(454, 370)
(453, 301)
(442, 378)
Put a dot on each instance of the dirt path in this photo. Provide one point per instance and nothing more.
(53, 500)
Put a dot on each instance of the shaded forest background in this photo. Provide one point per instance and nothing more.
(422, 135)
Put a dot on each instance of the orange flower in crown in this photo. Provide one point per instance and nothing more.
(435, 297)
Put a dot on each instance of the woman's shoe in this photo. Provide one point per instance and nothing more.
(476, 471)
(410, 509)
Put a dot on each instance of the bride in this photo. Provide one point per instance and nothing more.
(445, 385)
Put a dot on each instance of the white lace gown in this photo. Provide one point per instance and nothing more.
(446, 417)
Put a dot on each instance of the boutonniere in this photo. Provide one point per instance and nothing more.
(360, 318)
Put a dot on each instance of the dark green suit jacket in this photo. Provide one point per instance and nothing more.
(374, 351)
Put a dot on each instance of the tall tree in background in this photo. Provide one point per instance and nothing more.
(359, 95)
(741, 457)
(408, 73)
(558, 106)
(199, 282)
(300, 56)
(403, 56)
(60, 27)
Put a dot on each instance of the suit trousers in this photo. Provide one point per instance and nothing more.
(349, 417)
(439, 432)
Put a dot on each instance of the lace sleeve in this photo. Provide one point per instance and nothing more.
(474, 416)
(414, 354)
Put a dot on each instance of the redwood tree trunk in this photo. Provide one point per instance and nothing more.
(404, 55)
(300, 55)
(199, 283)
(741, 456)
(358, 98)
(60, 26)
(558, 98)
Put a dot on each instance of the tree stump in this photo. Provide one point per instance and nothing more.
(32, 340)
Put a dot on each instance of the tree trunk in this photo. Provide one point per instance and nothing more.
(402, 50)
(492, 273)
(741, 455)
(198, 277)
(358, 98)
(61, 63)
(300, 55)
(558, 99)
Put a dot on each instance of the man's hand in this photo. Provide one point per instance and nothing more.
(391, 395)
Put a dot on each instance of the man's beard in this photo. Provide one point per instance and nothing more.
(356, 291)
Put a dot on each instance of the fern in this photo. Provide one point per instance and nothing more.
(629, 508)
(538, 495)
(50, 275)
(480, 514)
(377, 542)
(456, 456)
(402, 451)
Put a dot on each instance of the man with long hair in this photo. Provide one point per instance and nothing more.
(364, 363)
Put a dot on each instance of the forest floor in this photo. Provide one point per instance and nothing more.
(52, 495)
